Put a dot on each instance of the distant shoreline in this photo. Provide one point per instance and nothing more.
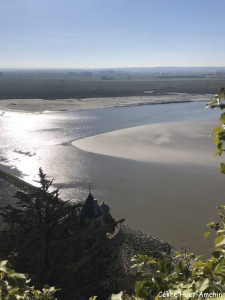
(62, 105)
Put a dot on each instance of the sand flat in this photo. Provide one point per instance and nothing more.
(168, 182)
(52, 105)
(184, 142)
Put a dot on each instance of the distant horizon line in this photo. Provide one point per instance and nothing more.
(104, 68)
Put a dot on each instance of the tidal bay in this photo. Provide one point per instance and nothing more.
(170, 201)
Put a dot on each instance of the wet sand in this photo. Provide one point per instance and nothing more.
(172, 167)
(45, 105)
(186, 142)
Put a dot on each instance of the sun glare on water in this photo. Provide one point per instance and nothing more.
(20, 145)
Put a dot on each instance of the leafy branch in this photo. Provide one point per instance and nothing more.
(14, 286)
(218, 101)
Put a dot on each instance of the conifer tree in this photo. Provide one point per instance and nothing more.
(46, 239)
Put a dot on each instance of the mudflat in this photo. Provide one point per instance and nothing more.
(45, 105)
(175, 174)
(184, 142)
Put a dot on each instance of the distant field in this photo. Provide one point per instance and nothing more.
(63, 85)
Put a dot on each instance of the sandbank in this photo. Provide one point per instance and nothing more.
(168, 179)
(184, 142)
(52, 105)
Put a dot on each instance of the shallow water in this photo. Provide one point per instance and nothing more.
(155, 204)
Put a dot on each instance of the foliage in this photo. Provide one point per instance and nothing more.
(45, 238)
(14, 286)
(184, 275)
(218, 101)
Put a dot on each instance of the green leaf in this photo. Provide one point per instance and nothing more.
(138, 286)
(17, 280)
(213, 101)
(198, 264)
(151, 261)
(222, 118)
(220, 207)
(218, 152)
(177, 267)
(216, 129)
(36, 293)
(210, 224)
(3, 266)
(13, 291)
(216, 140)
(218, 268)
(219, 241)
(222, 168)
(206, 234)
(202, 285)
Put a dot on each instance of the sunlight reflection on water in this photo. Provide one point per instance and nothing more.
(30, 141)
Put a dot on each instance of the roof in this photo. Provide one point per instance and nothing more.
(104, 207)
(89, 199)
(91, 209)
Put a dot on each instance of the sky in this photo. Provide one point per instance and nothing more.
(111, 33)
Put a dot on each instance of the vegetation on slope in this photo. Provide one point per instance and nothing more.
(14, 286)
(44, 237)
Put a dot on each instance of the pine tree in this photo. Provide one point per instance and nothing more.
(47, 240)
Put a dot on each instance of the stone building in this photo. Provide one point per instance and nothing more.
(93, 213)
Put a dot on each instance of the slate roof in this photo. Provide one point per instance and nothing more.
(105, 207)
(91, 209)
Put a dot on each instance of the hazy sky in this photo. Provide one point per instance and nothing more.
(111, 33)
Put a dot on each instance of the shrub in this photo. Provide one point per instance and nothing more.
(14, 286)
